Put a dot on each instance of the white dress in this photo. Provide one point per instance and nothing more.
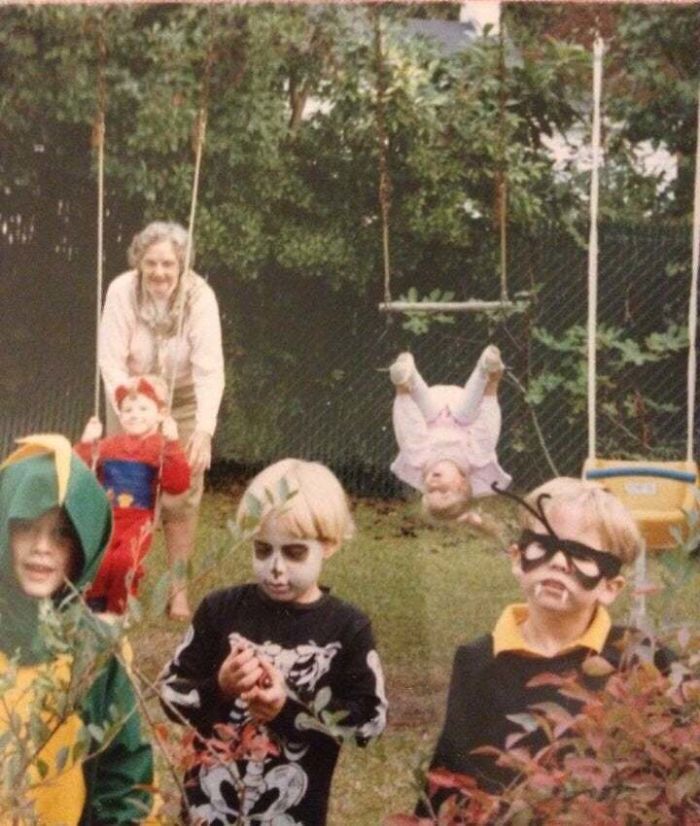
(470, 445)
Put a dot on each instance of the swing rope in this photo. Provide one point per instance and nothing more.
(201, 128)
(385, 191)
(593, 247)
(693, 309)
(99, 139)
(383, 141)
(200, 135)
(502, 184)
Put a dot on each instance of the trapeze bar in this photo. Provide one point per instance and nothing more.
(446, 306)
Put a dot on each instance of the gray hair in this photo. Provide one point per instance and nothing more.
(154, 233)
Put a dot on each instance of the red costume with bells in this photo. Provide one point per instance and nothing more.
(128, 468)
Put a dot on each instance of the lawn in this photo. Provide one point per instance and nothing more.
(427, 589)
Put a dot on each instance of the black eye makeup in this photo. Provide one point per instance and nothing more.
(292, 552)
(588, 565)
(262, 550)
(296, 552)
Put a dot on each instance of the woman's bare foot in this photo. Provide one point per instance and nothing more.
(179, 606)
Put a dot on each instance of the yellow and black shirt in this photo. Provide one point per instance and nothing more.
(489, 683)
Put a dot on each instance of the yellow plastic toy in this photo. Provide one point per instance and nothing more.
(659, 494)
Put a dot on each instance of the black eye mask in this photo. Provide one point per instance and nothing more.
(607, 564)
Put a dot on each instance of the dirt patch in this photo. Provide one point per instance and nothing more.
(154, 647)
(416, 703)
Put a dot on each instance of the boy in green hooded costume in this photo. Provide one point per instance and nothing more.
(55, 523)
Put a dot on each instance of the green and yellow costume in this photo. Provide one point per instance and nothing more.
(106, 784)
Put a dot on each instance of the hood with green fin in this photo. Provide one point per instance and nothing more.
(45, 473)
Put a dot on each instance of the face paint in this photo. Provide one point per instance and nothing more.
(588, 565)
(563, 595)
(287, 568)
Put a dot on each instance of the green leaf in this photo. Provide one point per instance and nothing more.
(253, 506)
(160, 594)
(96, 732)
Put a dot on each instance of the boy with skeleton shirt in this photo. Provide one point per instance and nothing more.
(281, 658)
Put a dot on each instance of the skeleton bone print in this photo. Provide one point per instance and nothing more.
(326, 654)
(270, 788)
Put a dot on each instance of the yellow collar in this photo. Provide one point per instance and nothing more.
(507, 635)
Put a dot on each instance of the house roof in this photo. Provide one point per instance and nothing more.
(451, 36)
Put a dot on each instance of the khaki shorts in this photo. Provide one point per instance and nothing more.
(174, 508)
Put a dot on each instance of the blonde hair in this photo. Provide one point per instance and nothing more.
(603, 511)
(154, 233)
(306, 498)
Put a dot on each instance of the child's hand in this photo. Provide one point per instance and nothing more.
(484, 523)
(93, 430)
(239, 672)
(471, 518)
(266, 699)
(169, 429)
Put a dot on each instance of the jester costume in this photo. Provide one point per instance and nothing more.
(129, 468)
(62, 687)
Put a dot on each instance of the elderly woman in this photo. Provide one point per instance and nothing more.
(159, 319)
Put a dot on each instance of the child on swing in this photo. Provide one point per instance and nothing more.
(132, 466)
(447, 436)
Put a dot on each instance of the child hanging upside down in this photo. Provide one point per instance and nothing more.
(128, 466)
(447, 436)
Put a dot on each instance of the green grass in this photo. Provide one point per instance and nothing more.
(427, 589)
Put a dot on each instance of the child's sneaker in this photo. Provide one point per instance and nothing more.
(490, 360)
(402, 370)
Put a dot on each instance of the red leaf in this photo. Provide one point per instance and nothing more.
(443, 779)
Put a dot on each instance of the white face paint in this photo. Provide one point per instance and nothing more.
(287, 568)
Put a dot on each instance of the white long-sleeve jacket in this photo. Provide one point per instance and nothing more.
(127, 345)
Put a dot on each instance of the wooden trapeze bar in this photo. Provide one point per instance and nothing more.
(471, 306)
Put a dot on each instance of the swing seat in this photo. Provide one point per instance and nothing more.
(658, 494)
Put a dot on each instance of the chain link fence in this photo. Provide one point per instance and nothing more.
(307, 364)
